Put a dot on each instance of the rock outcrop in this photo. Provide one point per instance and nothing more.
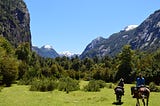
(15, 21)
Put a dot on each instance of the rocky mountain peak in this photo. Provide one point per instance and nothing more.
(95, 41)
(45, 51)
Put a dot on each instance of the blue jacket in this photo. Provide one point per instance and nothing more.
(140, 82)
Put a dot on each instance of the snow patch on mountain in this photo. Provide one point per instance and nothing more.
(66, 53)
(130, 27)
(47, 47)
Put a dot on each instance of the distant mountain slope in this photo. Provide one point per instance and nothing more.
(110, 46)
(148, 33)
(45, 51)
(14, 21)
(144, 37)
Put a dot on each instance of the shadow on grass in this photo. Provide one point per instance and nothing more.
(117, 103)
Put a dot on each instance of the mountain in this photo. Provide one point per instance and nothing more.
(148, 34)
(110, 46)
(146, 37)
(15, 21)
(68, 54)
(48, 52)
(45, 51)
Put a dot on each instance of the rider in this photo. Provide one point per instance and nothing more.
(140, 81)
(121, 82)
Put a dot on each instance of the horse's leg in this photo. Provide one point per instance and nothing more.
(137, 104)
(143, 101)
(147, 100)
(148, 96)
(117, 97)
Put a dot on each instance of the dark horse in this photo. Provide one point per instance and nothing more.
(119, 91)
(141, 93)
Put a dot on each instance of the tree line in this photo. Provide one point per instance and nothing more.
(23, 65)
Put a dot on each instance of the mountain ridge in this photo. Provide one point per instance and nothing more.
(15, 27)
(145, 37)
(45, 51)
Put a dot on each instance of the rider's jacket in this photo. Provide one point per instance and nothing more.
(140, 82)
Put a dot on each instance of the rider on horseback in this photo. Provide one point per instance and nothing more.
(120, 85)
(140, 83)
(121, 82)
(140, 91)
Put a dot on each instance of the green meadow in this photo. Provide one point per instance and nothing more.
(18, 95)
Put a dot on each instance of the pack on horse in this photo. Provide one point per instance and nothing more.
(119, 90)
(141, 93)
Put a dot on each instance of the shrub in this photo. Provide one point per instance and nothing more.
(101, 83)
(1, 88)
(68, 84)
(110, 85)
(26, 81)
(43, 85)
(153, 87)
(94, 85)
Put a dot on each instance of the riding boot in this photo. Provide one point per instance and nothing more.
(134, 96)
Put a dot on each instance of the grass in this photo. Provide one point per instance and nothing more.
(18, 95)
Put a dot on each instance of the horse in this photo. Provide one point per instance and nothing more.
(141, 93)
(119, 91)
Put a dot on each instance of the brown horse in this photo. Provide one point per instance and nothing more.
(119, 90)
(141, 93)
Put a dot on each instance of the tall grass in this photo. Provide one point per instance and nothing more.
(19, 95)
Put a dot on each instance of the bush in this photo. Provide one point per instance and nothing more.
(94, 85)
(26, 81)
(43, 85)
(110, 85)
(101, 83)
(153, 87)
(1, 88)
(68, 84)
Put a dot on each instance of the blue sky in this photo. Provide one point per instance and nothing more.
(70, 25)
